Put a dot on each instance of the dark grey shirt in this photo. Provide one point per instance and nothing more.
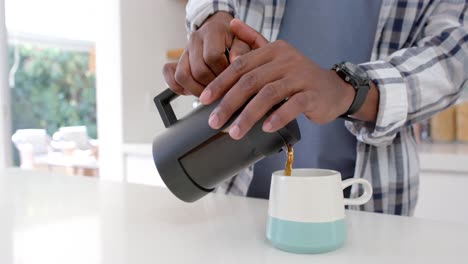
(328, 32)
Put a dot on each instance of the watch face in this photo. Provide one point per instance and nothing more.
(355, 70)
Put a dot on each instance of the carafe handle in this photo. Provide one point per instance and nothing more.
(163, 104)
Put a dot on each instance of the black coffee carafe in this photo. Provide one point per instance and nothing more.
(192, 158)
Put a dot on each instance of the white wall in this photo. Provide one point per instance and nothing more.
(149, 28)
(131, 51)
(109, 90)
(5, 120)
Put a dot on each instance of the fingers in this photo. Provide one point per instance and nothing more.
(238, 48)
(270, 95)
(247, 34)
(243, 64)
(240, 63)
(213, 54)
(286, 113)
(169, 70)
(247, 86)
(200, 71)
(183, 76)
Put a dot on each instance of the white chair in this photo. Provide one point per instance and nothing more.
(81, 151)
(75, 134)
(33, 146)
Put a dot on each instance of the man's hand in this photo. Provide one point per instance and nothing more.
(204, 56)
(274, 71)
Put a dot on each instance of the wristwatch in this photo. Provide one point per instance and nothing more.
(359, 80)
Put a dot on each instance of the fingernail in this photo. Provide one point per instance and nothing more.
(234, 132)
(268, 126)
(234, 58)
(214, 120)
(205, 96)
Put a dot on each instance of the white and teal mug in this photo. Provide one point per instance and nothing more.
(306, 210)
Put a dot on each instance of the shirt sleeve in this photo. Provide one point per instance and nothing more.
(416, 82)
(199, 10)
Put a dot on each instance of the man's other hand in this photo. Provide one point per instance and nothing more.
(204, 56)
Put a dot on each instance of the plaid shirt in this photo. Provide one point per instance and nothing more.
(419, 63)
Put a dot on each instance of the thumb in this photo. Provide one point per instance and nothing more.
(238, 49)
(247, 34)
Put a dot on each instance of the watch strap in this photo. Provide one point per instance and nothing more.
(359, 98)
(361, 85)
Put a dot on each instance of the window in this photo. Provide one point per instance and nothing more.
(52, 81)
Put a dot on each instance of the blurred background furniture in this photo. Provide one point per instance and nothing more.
(174, 54)
(71, 151)
(76, 135)
(79, 151)
(33, 146)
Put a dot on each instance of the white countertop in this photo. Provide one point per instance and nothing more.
(70, 219)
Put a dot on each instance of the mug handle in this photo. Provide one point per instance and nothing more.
(364, 198)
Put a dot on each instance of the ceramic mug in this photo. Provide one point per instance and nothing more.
(306, 210)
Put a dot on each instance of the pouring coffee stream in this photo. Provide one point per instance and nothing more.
(193, 159)
(289, 160)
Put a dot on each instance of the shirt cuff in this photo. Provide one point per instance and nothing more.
(198, 11)
(393, 105)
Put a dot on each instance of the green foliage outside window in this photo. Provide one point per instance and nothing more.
(52, 88)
